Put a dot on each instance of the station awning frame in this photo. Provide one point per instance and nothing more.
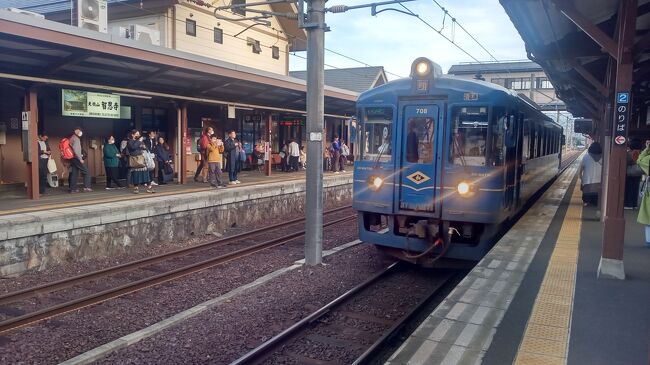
(40, 50)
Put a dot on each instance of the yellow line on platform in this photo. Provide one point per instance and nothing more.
(546, 339)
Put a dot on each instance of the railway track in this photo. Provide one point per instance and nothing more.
(354, 334)
(132, 286)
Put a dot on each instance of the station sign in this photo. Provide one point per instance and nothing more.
(79, 103)
(622, 116)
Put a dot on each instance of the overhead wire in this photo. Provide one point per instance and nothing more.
(455, 21)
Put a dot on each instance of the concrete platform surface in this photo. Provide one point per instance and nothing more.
(535, 298)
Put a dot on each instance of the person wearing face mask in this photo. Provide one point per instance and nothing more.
(111, 163)
(77, 163)
(140, 173)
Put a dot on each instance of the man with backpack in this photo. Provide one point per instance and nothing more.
(204, 141)
(71, 151)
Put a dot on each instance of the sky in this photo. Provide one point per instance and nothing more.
(394, 40)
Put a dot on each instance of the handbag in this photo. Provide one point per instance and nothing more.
(51, 165)
(242, 155)
(168, 169)
(136, 162)
(149, 160)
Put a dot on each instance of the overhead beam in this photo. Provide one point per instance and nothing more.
(593, 81)
(70, 60)
(150, 76)
(606, 42)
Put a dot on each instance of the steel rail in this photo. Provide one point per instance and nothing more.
(403, 321)
(105, 295)
(269, 346)
(132, 265)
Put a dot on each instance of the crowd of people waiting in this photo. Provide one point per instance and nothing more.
(137, 159)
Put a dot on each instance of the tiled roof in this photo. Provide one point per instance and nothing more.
(494, 67)
(358, 79)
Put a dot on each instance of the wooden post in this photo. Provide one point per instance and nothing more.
(611, 260)
(182, 173)
(30, 144)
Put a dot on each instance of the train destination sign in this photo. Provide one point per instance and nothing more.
(622, 116)
(79, 103)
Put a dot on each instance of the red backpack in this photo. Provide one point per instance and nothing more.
(66, 149)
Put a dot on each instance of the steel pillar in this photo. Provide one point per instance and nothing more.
(269, 133)
(315, 124)
(611, 260)
(182, 172)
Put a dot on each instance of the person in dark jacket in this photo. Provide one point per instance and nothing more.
(164, 159)
(139, 175)
(44, 154)
(232, 149)
(151, 144)
(336, 154)
(111, 163)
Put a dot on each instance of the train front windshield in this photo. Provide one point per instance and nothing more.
(376, 134)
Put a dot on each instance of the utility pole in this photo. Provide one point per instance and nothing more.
(315, 123)
(315, 26)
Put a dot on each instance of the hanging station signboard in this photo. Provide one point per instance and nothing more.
(79, 103)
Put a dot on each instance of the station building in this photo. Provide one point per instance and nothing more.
(166, 66)
(525, 77)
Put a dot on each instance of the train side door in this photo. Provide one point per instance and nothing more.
(513, 153)
(417, 187)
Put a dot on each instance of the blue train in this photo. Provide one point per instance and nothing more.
(445, 162)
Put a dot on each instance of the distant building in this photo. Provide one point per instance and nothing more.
(357, 79)
(187, 26)
(525, 77)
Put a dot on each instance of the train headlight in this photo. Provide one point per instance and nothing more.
(464, 188)
(375, 182)
(422, 68)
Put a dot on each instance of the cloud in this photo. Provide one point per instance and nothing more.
(393, 40)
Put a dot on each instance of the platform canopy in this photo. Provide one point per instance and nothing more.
(556, 37)
(42, 51)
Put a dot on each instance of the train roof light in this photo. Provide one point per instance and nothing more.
(424, 68)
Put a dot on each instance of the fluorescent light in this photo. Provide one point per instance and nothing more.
(243, 108)
(134, 96)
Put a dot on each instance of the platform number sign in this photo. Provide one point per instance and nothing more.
(622, 115)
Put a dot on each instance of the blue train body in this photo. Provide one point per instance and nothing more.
(444, 162)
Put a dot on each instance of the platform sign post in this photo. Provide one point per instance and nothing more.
(622, 116)
(611, 259)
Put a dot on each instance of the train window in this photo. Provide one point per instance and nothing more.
(419, 140)
(469, 136)
(526, 142)
(377, 131)
(497, 147)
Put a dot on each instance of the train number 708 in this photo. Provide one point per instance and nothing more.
(421, 111)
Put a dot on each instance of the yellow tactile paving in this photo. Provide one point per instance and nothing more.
(546, 338)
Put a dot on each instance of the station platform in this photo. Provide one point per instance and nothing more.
(35, 235)
(61, 198)
(535, 297)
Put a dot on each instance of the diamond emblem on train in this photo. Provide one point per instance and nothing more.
(418, 177)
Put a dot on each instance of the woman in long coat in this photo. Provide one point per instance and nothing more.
(644, 209)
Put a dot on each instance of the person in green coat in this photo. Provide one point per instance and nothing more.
(644, 209)
(111, 163)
